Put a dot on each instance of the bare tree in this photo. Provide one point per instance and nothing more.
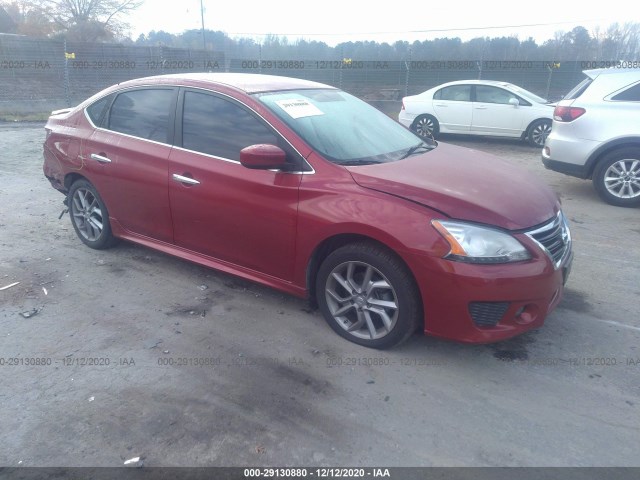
(87, 20)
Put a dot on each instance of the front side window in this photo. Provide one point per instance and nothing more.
(485, 94)
(343, 128)
(219, 127)
(142, 113)
(455, 93)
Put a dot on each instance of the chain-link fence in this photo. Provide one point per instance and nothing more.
(43, 75)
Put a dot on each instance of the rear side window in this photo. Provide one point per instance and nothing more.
(96, 111)
(142, 113)
(220, 127)
(631, 94)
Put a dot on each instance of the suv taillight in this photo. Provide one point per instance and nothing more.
(402, 105)
(567, 114)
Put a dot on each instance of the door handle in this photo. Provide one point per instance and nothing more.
(440, 105)
(100, 158)
(183, 179)
(482, 107)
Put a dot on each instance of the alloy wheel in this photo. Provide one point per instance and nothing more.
(87, 214)
(622, 178)
(362, 300)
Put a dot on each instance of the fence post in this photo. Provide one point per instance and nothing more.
(546, 95)
(406, 82)
(66, 74)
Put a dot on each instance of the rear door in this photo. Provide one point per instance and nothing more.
(452, 106)
(130, 150)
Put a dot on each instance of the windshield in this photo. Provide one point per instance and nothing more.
(343, 128)
(528, 94)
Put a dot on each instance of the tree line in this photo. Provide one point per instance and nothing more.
(105, 21)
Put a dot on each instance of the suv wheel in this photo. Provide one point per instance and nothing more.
(617, 177)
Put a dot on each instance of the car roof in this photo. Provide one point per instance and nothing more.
(496, 83)
(245, 82)
(596, 72)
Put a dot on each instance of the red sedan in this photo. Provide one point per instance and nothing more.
(305, 188)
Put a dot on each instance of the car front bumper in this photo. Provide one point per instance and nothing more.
(474, 303)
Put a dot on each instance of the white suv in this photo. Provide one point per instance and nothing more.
(596, 134)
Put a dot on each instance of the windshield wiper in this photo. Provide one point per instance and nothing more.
(413, 150)
(359, 162)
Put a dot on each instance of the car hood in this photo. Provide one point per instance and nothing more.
(464, 184)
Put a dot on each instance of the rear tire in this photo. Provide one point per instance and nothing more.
(368, 295)
(617, 177)
(89, 215)
(538, 133)
(426, 126)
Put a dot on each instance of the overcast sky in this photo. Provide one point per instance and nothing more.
(335, 21)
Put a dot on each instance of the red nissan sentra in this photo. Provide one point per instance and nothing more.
(304, 188)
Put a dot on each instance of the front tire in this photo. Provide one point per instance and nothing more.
(617, 177)
(89, 215)
(538, 133)
(368, 296)
(426, 126)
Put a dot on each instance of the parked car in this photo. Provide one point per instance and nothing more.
(596, 134)
(478, 107)
(304, 188)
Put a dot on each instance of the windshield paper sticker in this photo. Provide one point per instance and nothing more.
(299, 108)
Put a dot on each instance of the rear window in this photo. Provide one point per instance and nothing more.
(631, 94)
(96, 110)
(142, 113)
(578, 89)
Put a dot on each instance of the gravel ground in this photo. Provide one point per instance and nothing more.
(109, 355)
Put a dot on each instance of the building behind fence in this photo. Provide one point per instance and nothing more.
(38, 76)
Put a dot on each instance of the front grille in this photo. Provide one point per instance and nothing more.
(487, 314)
(554, 238)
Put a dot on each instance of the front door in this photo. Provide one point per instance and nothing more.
(220, 208)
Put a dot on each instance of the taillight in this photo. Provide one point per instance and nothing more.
(402, 105)
(567, 114)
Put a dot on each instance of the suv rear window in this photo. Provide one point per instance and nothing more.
(578, 89)
(629, 95)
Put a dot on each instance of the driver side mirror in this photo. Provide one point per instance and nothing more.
(263, 157)
(514, 101)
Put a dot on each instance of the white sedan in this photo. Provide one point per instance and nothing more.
(479, 107)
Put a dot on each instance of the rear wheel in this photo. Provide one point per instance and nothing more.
(89, 215)
(368, 296)
(538, 133)
(426, 126)
(617, 177)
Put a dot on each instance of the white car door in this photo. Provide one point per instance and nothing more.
(493, 114)
(452, 106)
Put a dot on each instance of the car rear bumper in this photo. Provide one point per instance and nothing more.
(568, 154)
(488, 303)
(406, 119)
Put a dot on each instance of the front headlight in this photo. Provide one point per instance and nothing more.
(476, 244)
